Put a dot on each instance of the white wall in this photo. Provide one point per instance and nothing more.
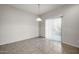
(70, 27)
(16, 25)
(70, 23)
(42, 27)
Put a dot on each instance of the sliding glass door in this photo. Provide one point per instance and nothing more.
(53, 29)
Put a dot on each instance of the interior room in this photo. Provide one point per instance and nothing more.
(39, 28)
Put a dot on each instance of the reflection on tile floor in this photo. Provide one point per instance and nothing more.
(37, 46)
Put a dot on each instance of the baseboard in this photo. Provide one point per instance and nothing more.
(18, 40)
(70, 44)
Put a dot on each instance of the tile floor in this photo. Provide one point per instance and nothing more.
(38, 46)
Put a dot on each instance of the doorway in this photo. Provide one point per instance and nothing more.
(53, 29)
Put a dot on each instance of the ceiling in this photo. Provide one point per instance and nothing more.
(33, 8)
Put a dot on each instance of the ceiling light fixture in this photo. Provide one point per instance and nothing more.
(39, 19)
